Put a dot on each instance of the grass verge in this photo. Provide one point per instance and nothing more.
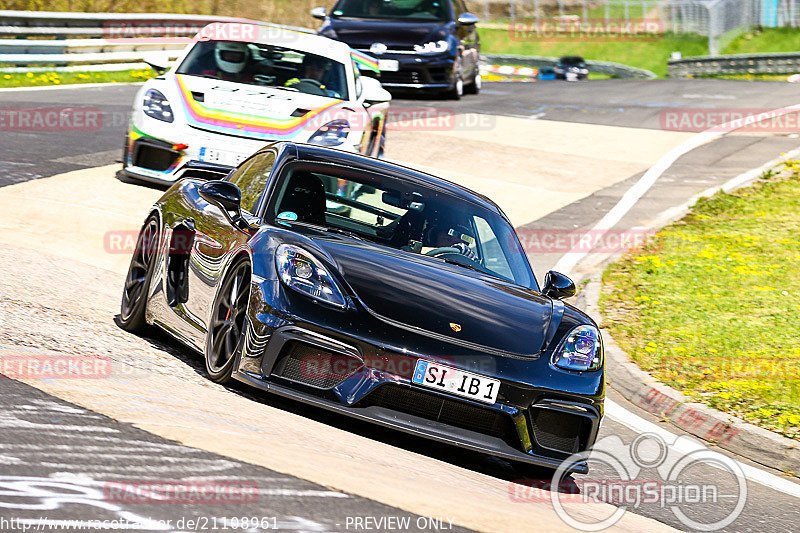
(648, 54)
(32, 79)
(710, 305)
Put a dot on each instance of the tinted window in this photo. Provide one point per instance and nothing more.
(252, 178)
(393, 9)
(401, 215)
(267, 66)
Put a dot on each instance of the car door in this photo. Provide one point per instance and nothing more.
(217, 235)
(374, 119)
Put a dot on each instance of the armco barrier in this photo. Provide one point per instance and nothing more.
(97, 40)
(774, 63)
(617, 70)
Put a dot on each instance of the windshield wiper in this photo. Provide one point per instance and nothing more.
(459, 263)
(341, 231)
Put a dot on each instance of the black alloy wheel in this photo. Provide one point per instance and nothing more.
(227, 323)
(137, 282)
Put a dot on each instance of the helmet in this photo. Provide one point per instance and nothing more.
(231, 57)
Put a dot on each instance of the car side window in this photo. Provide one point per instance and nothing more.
(252, 178)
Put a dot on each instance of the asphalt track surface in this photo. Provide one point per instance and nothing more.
(45, 437)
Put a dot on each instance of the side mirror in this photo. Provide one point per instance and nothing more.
(160, 62)
(223, 193)
(558, 286)
(373, 92)
(467, 19)
(319, 13)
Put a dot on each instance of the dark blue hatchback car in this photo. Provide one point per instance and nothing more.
(429, 45)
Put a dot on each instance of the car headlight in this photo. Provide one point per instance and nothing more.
(333, 133)
(434, 47)
(304, 273)
(581, 350)
(157, 106)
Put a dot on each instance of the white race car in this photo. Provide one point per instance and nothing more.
(237, 87)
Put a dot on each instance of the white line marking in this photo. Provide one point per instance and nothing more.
(568, 261)
(684, 446)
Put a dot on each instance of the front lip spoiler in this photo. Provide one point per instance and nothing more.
(133, 175)
(414, 425)
(418, 85)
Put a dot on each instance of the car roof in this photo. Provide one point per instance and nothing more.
(320, 154)
(262, 34)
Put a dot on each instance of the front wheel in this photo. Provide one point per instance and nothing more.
(457, 90)
(227, 323)
(137, 282)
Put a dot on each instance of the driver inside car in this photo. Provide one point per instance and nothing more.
(446, 234)
(231, 60)
(314, 69)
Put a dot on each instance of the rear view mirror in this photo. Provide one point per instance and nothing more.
(558, 286)
(412, 201)
(223, 193)
(373, 92)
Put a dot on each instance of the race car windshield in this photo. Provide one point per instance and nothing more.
(267, 66)
(392, 9)
(395, 213)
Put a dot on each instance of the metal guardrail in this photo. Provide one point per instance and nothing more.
(617, 70)
(774, 63)
(98, 40)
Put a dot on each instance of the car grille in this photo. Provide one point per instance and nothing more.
(451, 412)
(314, 366)
(410, 76)
(559, 431)
(148, 155)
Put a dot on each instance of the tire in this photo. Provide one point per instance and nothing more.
(228, 322)
(457, 90)
(475, 86)
(382, 146)
(137, 281)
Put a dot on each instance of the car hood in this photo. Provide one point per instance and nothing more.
(442, 300)
(252, 111)
(394, 34)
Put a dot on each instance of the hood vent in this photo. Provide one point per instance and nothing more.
(300, 112)
(200, 97)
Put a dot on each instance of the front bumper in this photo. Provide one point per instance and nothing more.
(365, 377)
(417, 71)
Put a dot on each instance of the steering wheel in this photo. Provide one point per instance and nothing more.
(311, 81)
(443, 250)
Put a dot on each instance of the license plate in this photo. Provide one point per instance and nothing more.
(223, 157)
(389, 65)
(455, 381)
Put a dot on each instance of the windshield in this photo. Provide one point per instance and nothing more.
(403, 216)
(267, 66)
(392, 9)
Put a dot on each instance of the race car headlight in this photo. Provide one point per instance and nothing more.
(434, 47)
(581, 350)
(303, 272)
(156, 105)
(333, 133)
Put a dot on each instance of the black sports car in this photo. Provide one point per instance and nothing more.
(415, 307)
(429, 45)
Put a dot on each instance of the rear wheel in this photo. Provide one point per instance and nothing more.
(227, 323)
(475, 86)
(137, 282)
